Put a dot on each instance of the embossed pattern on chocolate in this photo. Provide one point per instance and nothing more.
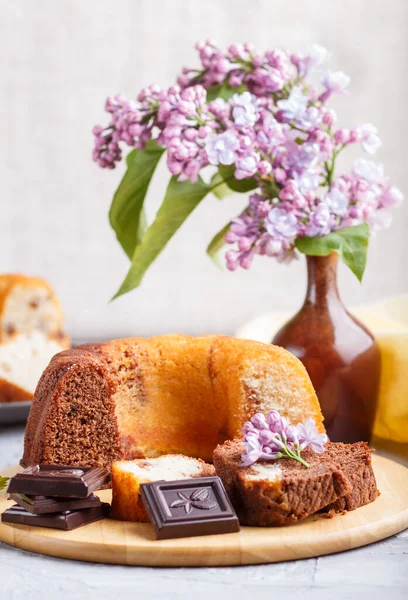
(189, 507)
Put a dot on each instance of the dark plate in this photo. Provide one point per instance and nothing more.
(14, 412)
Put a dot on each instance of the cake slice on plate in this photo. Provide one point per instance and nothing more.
(127, 475)
(31, 332)
(283, 491)
(278, 492)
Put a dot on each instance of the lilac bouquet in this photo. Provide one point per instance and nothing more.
(244, 122)
(272, 437)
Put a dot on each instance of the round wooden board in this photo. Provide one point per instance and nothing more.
(117, 542)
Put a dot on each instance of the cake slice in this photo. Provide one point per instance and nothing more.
(28, 304)
(355, 462)
(282, 491)
(127, 475)
(31, 333)
(22, 361)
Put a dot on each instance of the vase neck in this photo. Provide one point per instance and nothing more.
(322, 280)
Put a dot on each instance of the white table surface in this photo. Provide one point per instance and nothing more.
(377, 572)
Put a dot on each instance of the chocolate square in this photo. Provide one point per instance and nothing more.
(67, 520)
(58, 481)
(40, 505)
(189, 507)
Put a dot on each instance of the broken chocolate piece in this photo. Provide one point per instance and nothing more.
(67, 520)
(40, 505)
(58, 481)
(189, 507)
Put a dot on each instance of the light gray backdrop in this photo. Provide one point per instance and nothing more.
(59, 61)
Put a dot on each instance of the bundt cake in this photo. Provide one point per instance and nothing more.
(31, 333)
(280, 492)
(171, 394)
(127, 504)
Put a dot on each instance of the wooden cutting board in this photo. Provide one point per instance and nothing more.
(118, 542)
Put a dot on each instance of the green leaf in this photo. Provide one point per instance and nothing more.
(179, 202)
(3, 482)
(126, 214)
(217, 243)
(224, 91)
(350, 242)
(237, 185)
(220, 189)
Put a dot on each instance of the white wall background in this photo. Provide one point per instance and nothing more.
(59, 61)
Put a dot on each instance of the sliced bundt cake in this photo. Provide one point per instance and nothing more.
(172, 394)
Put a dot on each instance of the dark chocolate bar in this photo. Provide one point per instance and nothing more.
(67, 520)
(40, 505)
(189, 507)
(58, 481)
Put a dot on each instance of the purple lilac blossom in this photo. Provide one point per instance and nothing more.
(369, 140)
(335, 83)
(368, 170)
(294, 107)
(337, 202)
(320, 221)
(247, 166)
(222, 148)
(276, 422)
(272, 437)
(281, 223)
(245, 112)
(307, 181)
(308, 436)
(273, 127)
(311, 62)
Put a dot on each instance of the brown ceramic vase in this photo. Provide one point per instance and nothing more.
(339, 353)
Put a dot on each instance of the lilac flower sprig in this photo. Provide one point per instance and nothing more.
(260, 122)
(272, 438)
